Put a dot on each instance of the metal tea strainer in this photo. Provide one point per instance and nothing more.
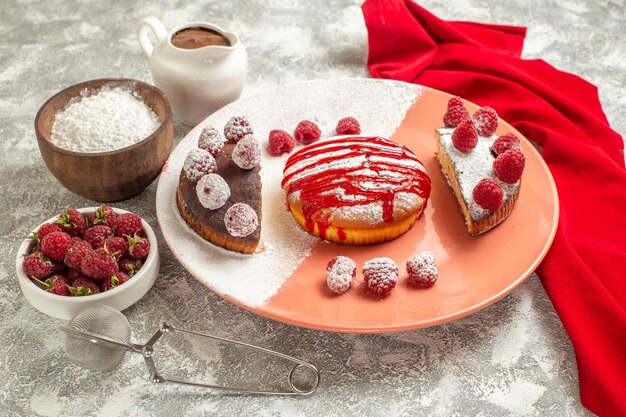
(99, 337)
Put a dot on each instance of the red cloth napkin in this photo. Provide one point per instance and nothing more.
(584, 273)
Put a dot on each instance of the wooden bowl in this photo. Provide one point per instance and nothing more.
(113, 175)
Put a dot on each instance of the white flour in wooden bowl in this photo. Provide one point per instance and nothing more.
(113, 118)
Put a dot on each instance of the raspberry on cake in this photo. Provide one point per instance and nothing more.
(199, 162)
(237, 128)
(505, 143)
(465, 136)
(509, 166)
(241, 220)
(456, 112)
(355, 190)
(486, 188)
(486, 121)
(212, 191)
(488, 195)
(247, 153)
(210, 140)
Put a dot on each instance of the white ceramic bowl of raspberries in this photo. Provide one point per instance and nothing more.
(66, 266)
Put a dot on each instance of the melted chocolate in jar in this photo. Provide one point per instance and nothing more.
(194, 38)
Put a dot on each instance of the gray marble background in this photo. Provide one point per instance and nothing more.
(513, 358)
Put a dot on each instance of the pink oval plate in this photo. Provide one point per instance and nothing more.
(474, 272)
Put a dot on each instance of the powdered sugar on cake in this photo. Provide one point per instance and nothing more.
(380, 106)
(474, 166)
(351, 178)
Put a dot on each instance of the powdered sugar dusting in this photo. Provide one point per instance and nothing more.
(473, 167)
(379, 105)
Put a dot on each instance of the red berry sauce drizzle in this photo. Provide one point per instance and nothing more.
(316, 188)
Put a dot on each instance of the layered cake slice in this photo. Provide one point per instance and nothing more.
(483, 170)
(219, 196)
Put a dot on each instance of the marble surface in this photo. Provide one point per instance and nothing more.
(513, 358)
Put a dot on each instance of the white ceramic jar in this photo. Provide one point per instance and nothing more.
(197, 81)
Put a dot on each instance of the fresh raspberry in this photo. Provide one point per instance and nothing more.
(509, 166)
(128, 224)
(488, 195)
(59, 268)
(115, 281)
(96, 235)
(348, 126)
(307, 132)
(455, 101)
(98, 265)
(456, 112)
(130, 266)
(56, 284)
(75, 240)
(103, 215)
(455, 115)
(422, 269)
(84, 286)
(199, 163)
(36, 265)
(237, 128)
(280, 142)
(241, 220)
(55, 245)
(465, 136)
(212, 191)
(340, 272)
(210, 140)
(138, 247)
(116, 246)
(381, 275)
(72, 222)
(73, 274)
(486, 121)
(44, 230)
(76, 253)
(506, 143)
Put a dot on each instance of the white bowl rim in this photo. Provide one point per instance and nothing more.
(152, 258)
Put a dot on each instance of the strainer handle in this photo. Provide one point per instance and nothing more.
(156, 377)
